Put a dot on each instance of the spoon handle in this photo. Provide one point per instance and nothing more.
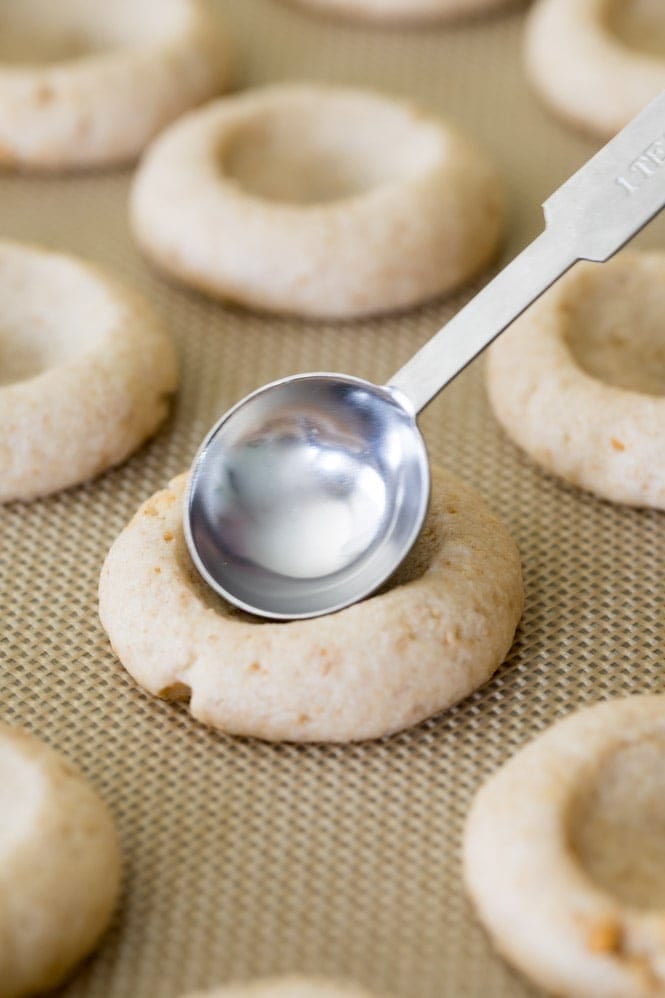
(590, 217)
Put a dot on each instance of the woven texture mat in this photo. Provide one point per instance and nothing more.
(245, 858)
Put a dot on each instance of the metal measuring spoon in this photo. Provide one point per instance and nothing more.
(307, 495)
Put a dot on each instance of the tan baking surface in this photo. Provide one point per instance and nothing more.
(245, 858)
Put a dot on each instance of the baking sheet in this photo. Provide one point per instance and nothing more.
(244, 858)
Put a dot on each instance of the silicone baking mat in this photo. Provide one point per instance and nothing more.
(244, 858)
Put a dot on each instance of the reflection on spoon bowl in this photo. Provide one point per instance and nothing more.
(305, 499)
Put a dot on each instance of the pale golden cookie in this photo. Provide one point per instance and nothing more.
(403, 11)
(579, 379)
(86, 371)
(59, 865)
(564, 853)
(89, 83)
(314, 200)
(432, 638)
(596, 63)
(287, 987)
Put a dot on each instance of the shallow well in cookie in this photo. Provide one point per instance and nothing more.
(617, 824)
(326, 148)
(639, 24)
(614, 325)
(50, 313)
(414, 567)
(43, 31)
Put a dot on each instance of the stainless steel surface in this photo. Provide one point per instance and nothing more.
(307, 495)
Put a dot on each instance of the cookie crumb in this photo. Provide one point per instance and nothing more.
(45, 94)
(7, 155)
(176, 691)
(604, 936)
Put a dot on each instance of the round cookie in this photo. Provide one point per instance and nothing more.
(87, 84)
(86, 371)
(59, 865)
(596, 63)
(436, 634)
(579, 380)
(294, 986)
(314, 200)
(404, 11)
(564, 853)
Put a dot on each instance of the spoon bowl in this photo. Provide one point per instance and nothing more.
(306, 495)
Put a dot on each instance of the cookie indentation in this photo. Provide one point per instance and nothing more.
(639, 24)
(614, 328)
(50, 313)
(579, 380)
(31, 35)
(617, 824)
(305, 158)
